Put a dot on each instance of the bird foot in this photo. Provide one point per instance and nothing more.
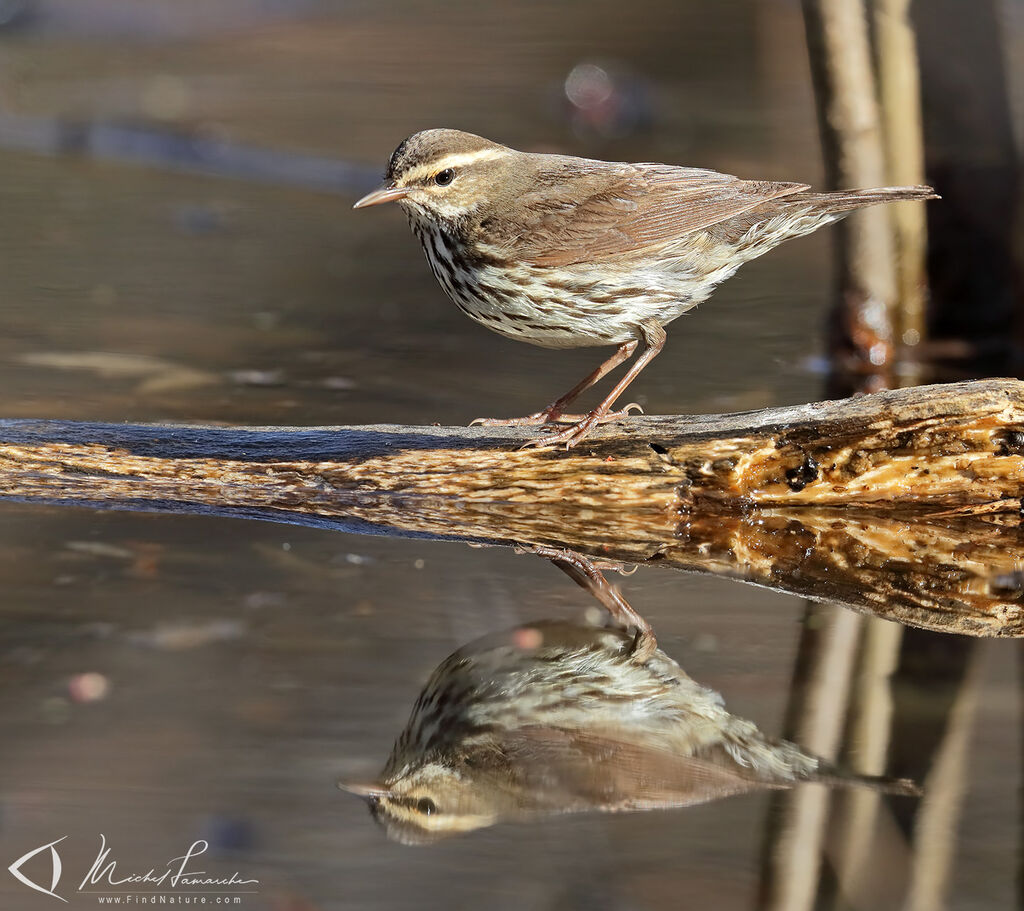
(587, 574)
(579, 430)
(552, 415)
(547, 416)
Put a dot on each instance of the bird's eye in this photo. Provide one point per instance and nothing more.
(445, 177)
(426, 806)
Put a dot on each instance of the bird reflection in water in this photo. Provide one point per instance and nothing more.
(554, 717)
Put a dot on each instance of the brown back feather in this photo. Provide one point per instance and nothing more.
(606, 770)
(577, 214)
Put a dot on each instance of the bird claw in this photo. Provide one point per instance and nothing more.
(570, 436)
(578, 431)
(550, 415)
(531, 420)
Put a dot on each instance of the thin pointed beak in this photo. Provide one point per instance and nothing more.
(366, 791)
(384, 194)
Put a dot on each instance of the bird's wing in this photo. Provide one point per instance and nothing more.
(606, 770)
(610, 211)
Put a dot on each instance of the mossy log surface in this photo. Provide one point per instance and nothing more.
(904, 503)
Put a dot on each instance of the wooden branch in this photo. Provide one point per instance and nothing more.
(900, 102)
(850, 123)
(904, 504)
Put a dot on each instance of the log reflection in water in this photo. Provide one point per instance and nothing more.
(554, 717)
(905, 504)
(943, 572)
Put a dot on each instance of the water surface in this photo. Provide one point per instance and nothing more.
(250, 665)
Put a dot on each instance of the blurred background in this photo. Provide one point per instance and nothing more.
(177, 244)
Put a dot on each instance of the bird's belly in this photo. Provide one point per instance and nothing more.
(581, 306)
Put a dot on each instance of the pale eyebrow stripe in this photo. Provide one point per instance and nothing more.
(455, 160)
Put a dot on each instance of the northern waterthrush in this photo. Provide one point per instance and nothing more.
(558, 718)
(571, 252)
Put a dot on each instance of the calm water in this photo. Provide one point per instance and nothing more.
(236, 669)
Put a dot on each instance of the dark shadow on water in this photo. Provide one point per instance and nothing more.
(149, 145)
(252, 444)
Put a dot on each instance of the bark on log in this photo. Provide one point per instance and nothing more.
(905, 504)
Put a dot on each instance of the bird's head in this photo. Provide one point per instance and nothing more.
(428, 803)
(444, 174)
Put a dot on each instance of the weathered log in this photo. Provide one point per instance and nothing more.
(905, 503)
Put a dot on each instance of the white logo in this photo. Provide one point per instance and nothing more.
(15, 869)
(179, 877)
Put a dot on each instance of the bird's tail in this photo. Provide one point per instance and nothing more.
(848, 200)
(843, 778)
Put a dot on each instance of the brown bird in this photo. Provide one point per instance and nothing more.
(556, 717)
(570, 252)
